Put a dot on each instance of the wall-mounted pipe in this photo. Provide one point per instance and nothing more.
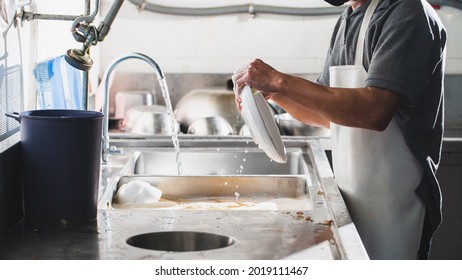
(87, 17)
(237, 9)
(27, 15)
(249, 8)
(258, 9)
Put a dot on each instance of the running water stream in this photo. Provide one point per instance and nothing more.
(168, 104)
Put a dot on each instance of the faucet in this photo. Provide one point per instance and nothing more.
(106, 148)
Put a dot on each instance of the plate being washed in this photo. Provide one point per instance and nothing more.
(264, 131)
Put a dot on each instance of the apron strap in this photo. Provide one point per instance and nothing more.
(362, 32)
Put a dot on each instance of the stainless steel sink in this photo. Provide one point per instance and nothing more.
(219, 178)
(277, 193)
(315, 224)
(218, 161)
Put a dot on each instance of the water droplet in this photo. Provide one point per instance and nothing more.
(241, 167)
(244, 159)
(237, 195)
(218, 149)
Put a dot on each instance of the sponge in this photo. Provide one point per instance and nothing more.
(137, 192)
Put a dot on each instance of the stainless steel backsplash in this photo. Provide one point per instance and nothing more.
(179, 84)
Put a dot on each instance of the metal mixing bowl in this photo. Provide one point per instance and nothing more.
(215, 125)
(124, 100)
(152, 119)
(204, 103)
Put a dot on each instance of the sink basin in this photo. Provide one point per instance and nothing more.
(218, 161)
(275, 193)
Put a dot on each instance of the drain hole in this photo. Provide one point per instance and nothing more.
(180, 241)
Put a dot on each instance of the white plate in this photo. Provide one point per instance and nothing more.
(264, 131)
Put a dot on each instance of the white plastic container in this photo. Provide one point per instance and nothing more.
(59, 85)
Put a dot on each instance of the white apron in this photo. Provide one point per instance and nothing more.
(377, 174)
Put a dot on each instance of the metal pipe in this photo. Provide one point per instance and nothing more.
(256, 9)
(248, 8)
(112, 13)
(32, 16)
(85, 83)
(87, 17)
(85, 75)
(87, 7)
(105, 25)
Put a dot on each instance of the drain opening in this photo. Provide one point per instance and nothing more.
(180, 241)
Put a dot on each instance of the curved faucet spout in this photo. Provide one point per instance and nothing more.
(106, 149)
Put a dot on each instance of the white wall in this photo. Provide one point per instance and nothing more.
(219, 44)
(54, 36)
(214, 44)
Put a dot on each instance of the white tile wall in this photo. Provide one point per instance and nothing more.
(54, 36)
(219, 44)
(214, 44)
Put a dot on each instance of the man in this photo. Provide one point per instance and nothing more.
(381, 93)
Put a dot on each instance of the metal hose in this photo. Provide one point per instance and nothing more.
(86, 18)
(237, 9)
(257, 9)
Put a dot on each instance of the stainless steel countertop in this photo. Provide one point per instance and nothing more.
(453, 133)
(325, 232)
(452, 140)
